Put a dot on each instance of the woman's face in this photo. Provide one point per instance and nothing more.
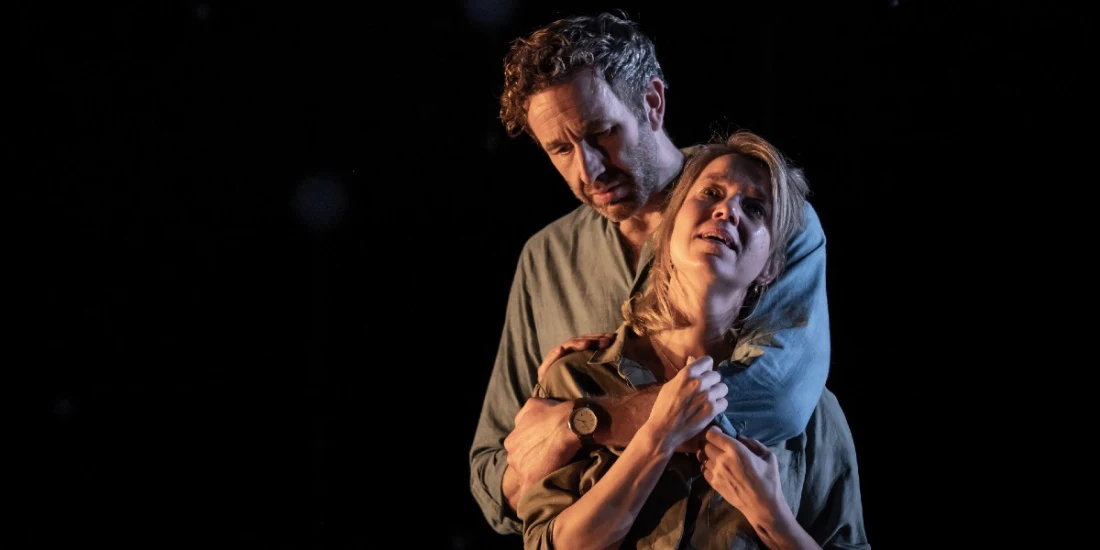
(722, 234)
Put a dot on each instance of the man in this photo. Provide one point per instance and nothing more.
(591, 93)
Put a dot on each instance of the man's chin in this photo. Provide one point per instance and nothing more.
(619, 211)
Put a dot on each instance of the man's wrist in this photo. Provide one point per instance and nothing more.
(623, 416)
(588, 422)
(509, 489)
(603, 429)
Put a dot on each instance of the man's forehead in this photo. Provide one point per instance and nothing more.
(574, 103)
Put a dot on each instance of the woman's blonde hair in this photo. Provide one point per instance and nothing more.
(652, 310)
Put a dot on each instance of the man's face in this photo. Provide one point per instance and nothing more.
(597, 144)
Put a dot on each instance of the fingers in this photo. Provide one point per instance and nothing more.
(709, 379)
(696, 367)
(551, 358)
(597, 336)
(596, 340)
(753, 445)
(718, 390)
(693, 444)
(702, 389)
(720, 405)
(715, 436)
(589, 341)
(729, 461)
(749, 449)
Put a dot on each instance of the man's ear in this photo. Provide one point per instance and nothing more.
(654, 98)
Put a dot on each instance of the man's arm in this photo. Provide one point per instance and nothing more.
(509, 387)
(574, 509)
(772, 400)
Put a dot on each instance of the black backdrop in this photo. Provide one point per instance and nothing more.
(265, 249)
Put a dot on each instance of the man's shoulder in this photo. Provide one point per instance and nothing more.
(582, 218)
(566, 228)
(828, 425)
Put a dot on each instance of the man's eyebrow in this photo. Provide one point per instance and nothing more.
(596, 123)
(551, 145)
(589, 126)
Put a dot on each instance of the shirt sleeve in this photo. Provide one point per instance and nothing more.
(543, 503)
(773, 398)
(514, 374)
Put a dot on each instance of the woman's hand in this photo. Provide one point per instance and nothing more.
(686, 404)
(746, 474)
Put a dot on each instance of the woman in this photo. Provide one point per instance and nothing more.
(721, 242)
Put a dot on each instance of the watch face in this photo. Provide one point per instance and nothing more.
(584, 421)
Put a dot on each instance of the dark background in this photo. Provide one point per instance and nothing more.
(263, 250)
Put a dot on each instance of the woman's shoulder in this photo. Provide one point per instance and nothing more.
(579, 374)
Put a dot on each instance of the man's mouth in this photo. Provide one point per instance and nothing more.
(610, 194)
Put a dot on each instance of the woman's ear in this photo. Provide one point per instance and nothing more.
(769, 274)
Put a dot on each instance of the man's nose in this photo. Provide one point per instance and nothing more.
(591, 163)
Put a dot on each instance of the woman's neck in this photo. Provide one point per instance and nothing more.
(708, 318)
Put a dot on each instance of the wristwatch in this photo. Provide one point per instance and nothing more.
(584, 420)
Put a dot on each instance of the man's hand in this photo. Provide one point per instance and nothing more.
(540, 443)
(578, 343)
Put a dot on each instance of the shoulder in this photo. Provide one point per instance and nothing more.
(572, 376)
(564, 229)
(828, 432)
(550, 247)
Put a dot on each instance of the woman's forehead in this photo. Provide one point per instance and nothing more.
(737, 169)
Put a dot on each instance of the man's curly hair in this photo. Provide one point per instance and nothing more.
(611, 45)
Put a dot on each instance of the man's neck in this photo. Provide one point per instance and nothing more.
(634, 230)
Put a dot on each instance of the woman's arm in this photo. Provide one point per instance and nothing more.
(605, 513)
(746, 474)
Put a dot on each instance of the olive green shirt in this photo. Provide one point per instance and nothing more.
(818, 471)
